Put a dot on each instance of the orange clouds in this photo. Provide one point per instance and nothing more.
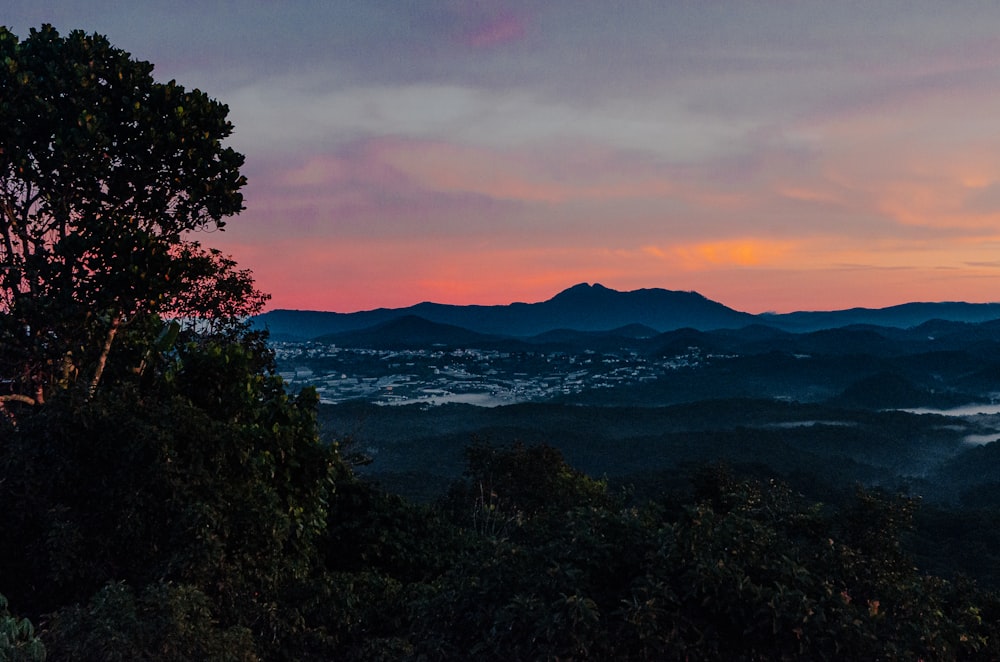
(943, 189)
(750, 274)
(918, 160)
(726, 253)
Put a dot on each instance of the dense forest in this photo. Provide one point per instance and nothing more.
(164, 497)
(153, 525)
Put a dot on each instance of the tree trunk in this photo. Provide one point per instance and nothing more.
(116, 322)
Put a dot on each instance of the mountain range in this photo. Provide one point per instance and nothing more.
(587, 308)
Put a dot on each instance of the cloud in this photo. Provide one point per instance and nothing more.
(497, 31)
(748, 252)
(551, 176)
(357, 191)
(309, 112)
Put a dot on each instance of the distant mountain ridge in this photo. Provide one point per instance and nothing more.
(902, 316)
(595, 308)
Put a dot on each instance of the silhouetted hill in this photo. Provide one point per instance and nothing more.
(580, 308)
(884, 390)
(681, 341)
(902, 316)
(634, 331)
(408, 332)
(595, 308)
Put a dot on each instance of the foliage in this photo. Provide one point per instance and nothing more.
(102, 173)
(166, 622)
(222, 562)
(18, 642)
(745, 570)
(957, 542)
(505, 489)
(226, 493)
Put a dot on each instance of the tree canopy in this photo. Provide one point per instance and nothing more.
(104, 173)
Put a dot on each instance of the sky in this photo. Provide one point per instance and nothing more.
(771, 155)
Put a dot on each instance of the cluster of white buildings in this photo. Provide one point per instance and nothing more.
(474, 376)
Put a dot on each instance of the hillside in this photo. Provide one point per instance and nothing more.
(407, 332)
(587, 308)
(580, 308)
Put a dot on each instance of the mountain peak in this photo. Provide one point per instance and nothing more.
(584, 289)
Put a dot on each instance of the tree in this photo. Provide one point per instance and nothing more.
(506, 488)
(744, 570)
(18, 642)
(210, 480)
(164, 622)
(103, 174)
(176, 509)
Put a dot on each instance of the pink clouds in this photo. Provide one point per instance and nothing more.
(496, 31)
(487, 24)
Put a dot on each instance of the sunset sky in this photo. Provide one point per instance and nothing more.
(773, 156)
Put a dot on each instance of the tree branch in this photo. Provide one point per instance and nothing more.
(13, 397)
(17, 397)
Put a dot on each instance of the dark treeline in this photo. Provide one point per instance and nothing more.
(145, 523)
(173, 521)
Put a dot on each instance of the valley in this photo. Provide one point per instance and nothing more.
(826, 403)
(827, 409)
